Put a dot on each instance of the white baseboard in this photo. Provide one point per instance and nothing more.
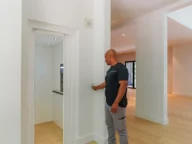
(181, 94)
(85, 139)
(58, 124)
(100, 140)
(89, 138)
(162, 121)
(43, 122)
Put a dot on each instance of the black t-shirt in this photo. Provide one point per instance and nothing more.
(115, 74)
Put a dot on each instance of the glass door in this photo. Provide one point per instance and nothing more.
(134, 75)
(131, 66)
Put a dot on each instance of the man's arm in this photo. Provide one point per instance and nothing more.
(121, 91)
(101, 86)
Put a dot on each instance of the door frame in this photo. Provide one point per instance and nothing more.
(70, 95)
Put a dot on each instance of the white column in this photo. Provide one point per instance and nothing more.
(101, 44)
(10, 78)
(151, 57)
(70, 93)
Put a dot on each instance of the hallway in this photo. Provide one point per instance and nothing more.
(141, 131)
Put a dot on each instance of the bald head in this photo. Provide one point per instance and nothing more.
(112, 53)
(110, 57)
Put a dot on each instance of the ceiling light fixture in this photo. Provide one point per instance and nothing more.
(55, 38)
(123, 35)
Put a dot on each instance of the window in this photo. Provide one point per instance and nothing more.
(131, 66)
(61, 77)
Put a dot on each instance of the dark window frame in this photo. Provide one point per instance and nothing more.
(134, 74)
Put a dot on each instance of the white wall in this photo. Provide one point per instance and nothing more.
(101, 44)
(58, 109)
(182, 70)
(68, 14)
(43, 84)
(151, 57)
(10, 78)
(85, 100)
(50, 11)
(57, 60)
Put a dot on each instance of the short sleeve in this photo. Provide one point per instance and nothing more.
(123, 73)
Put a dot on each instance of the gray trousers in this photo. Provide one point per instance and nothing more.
(116, 121)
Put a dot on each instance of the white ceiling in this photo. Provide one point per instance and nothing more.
(177, 35)
(118, 40)
(124, 10)
(183, 16)
(45, 39)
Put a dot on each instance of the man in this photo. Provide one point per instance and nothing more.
(116, 101)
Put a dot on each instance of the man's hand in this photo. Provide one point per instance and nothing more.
(94, 87)
(114, 108)
(101, 86)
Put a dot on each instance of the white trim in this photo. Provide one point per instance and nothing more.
(163, 121)
(71, 88)
(38, 25)
(47, 32)
(91, 137)
(85, 139)
(99, 140)
(182, 94)
(71, 76)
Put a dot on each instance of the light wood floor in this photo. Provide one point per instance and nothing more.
(48, 133)
(179, 130)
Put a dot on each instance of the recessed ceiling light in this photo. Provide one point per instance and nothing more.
(55, 38)
(123, 35)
